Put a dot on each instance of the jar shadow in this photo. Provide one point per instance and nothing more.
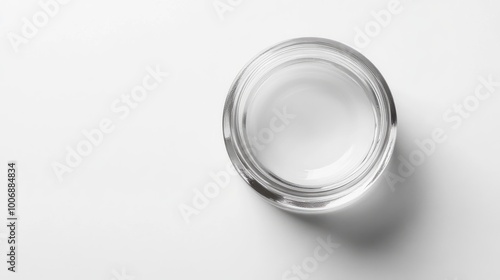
(378, 216)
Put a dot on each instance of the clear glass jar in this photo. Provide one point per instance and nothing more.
(310, 124)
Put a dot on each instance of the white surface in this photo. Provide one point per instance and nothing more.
(119, 208)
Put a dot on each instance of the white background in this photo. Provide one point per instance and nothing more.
(116, 215)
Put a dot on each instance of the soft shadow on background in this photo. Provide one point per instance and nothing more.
(378, 216)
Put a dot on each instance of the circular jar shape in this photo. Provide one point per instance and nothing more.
(310, 124)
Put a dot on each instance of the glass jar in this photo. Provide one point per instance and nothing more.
(310, 124)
